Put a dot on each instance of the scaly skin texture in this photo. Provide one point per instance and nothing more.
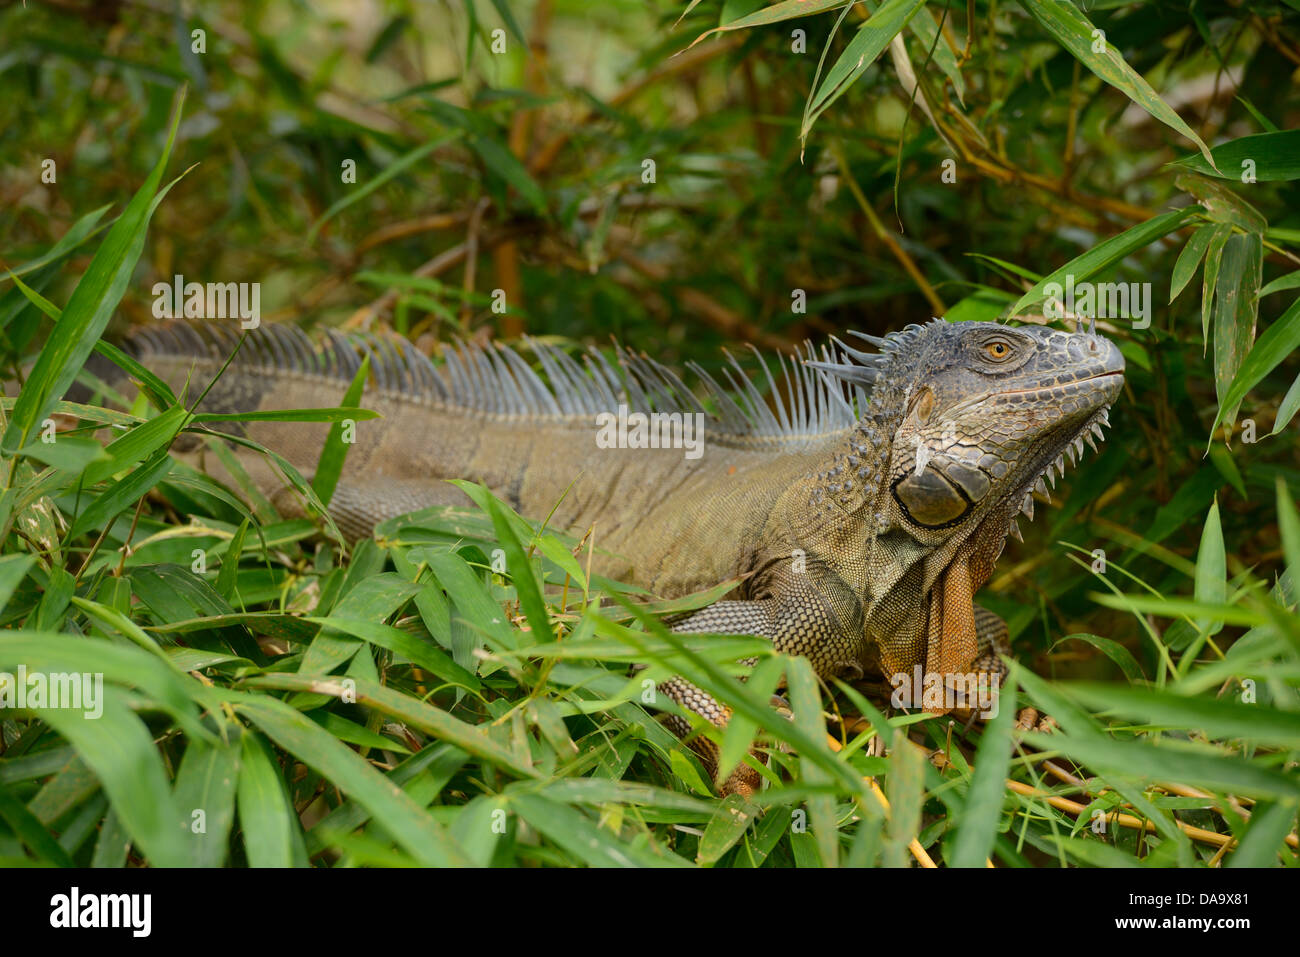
(859, 546)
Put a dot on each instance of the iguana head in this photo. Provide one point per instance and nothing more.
(976, 414)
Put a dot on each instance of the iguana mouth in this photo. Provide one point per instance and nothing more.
(1055, 468)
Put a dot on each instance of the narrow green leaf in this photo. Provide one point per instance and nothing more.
(584, 839)
(806, 703)
(1217, 718)
(354, 733)
(30, 831)
(205, 798)
(740, 730)
(1288, 407)
(333, 454)
(422, 775)
(417, 713)
(1270, 823)
(49, 309)
(114, 842)
(265, 814)
(84, 228)
(393, 169)
(13, 569)
(522, 574)
(1188, 260)
(1236, 308)
(340, 414)
(1210, 278)
(1094, 50)
(1261, 157)
(1288, 522)
(69, 453)
(905, 786)
(870, 41)
(121, 495)
(228, 573)
(137, 444)
(1113, 650)
(91, 305)
(733, 817)
(374, 599)
(508, 18)
(979, 819)
(410, 647)
(1290, 281)
(158, 391)
(1211, 569)
(498, 159)
(1107, 253)
(926, 27)
(774, 13)
(418, 833)
(119, 748)
(1277, 342)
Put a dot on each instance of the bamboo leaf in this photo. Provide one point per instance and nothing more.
(30, 831)
(1268, 157)
(418, 833)
(392, 170)
(1277, 342)
(774, 13)
(1188, 260)
(1106, 253)
(1211, 570)
(333, 454)
(1265, 838)
(119, 748)
(580, 836)
(983, 808)
(91, 304)
(205, 798)
(1210, 277)
(266, 817)
(733, 817)
(1090, 47)
(872, 37)
(1235, 310)
(1113, 650)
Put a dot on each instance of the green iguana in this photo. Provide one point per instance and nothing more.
(861, 506)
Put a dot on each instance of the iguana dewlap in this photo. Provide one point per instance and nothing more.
(863, 504)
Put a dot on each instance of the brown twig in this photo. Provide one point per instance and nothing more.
(412, 227)
(922, 856)
(471, 259)
(885, 236)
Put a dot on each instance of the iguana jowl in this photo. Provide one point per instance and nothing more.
(862, 511)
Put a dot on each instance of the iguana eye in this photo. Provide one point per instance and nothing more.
(998, 350)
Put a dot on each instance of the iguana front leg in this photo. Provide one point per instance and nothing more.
(994, 640)
(800, 619)
(726, 618)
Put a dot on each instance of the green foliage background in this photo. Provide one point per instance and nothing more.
(503, 708)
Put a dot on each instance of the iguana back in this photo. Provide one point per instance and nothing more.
(661, 517)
